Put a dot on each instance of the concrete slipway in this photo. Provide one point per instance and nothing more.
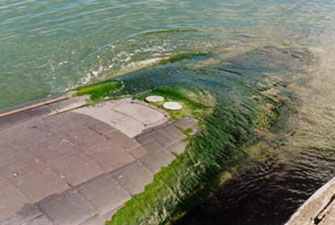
(67, 163)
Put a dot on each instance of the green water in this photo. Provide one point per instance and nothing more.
(48, 47)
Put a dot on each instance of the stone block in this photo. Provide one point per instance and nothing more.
(133, 177)
(7, 152)
(157, 157)
(100, 219)
(42, 220)
(186, 123)
(11, 199)
(137, 152)
(105, 113)
(68, 208)
(121, 140)
(174, 132)
(74, 168)
(37, 181)
(145, 114)
(104, 193)
(178, 147)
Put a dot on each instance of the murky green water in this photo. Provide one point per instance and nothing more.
(225, 47)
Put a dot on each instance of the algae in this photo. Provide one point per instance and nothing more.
(235, 103)
(100, 90)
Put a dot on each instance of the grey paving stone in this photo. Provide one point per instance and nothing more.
(144, 114)
(67, 209)
(186, 123)
(101, 127)
(37, 181)
(100, 219)
(15, 221)
(60, 122)
(174, 132)
(157, 157)
(104, 193)
(42, 220)
(178, 147)
(137, 152)
(133, 177)
(74, 168)
(36, 143)
(159, 136)
(164, 139)
(29, 212)
(81, 136)
(20, 118)
(104, 112)
(75, 148)
(111, 157)
(44, 153)
(25, 136)
(68, 104)
(7, 152)
(11, 199)
(121, 140)
(146, 137)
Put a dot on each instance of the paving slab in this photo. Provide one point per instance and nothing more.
(100, 219)
(37, 144)
(29, 211)
(121, 140)
(74, 168)
(37, 181)
(133, 177)
(8, 153)
(141, 112)
(80, 166)
(110, 157)
(177, 148)
(68, 104)
(104, 193)
(67, 209)
(81, 136)
(19, 118)
(128, 116)
(186, 123)
(174, 132)
(11, 199)
(122, 122)
(157, 158)
(137, 151)
(39, 109)
(41, 220)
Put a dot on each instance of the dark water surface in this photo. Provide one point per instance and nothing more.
(225, 47)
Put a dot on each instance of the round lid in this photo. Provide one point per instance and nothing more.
(154, 98)
(172, 105)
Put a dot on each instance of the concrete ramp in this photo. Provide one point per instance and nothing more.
(79, 166)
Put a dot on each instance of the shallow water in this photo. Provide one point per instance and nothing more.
(47, 47)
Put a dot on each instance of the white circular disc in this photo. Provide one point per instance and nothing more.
(172, 105)
(154, 98)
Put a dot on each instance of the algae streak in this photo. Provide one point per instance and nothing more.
(100, 90)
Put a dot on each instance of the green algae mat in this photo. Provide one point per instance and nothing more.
(234, 99)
